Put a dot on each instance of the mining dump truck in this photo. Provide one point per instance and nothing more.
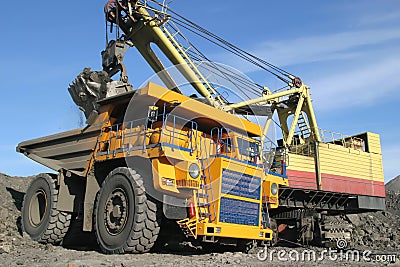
(156, 156)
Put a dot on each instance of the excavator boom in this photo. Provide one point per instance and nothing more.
(145, 27)
(143, 31)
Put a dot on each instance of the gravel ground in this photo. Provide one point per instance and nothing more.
(376, 232)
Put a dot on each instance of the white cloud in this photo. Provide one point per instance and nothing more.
(323, 47)
(318, 48)
(360, 86)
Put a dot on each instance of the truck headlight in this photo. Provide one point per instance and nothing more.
(274, 189)
(194, 170)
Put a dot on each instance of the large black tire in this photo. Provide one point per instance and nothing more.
(126, 218)
(40, 218)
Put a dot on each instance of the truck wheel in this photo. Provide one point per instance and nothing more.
(40, 218)
(126, 217)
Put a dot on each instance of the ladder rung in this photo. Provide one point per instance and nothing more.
(204, 186)
(175, 34)
(202, 195)
(187, 49)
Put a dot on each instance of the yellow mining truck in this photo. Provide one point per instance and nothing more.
(154, 156)
(196, 164)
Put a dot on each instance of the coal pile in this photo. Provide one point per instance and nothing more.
(394, 185)
(379, 230)
(393, 196)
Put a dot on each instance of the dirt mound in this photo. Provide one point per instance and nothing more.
(393, 185)
(393, 196)
(11, 197)
(378, 231)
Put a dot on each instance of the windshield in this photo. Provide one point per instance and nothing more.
(248, 148)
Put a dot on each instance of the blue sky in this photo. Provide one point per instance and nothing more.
(348, 52)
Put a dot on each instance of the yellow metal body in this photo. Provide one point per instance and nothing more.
(230, 193)
(230, 220)
(350, 165)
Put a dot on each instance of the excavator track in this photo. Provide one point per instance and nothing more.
(309, 227)
(336, 232)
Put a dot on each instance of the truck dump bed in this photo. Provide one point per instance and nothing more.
(71, 150)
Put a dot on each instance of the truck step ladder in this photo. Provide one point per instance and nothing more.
(188, 227)
(205, 197)
(304, 128)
